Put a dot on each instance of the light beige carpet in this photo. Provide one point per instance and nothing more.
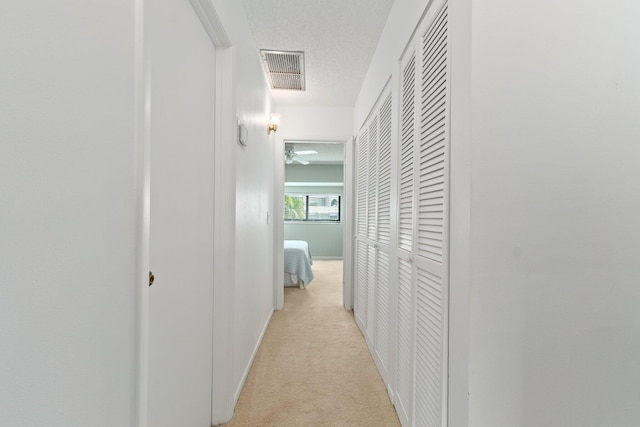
(313, 367)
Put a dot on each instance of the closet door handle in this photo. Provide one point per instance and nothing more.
(151, 278)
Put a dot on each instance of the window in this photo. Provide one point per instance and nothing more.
(312, 207)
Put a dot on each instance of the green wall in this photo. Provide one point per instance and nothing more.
(325, 239)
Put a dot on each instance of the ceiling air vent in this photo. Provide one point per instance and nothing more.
(284, 69)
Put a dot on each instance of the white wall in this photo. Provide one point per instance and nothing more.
(460, 213)
(324, 238)
(554, 214)
(69, 287)
(321, 123)
(402, 20)
(253, 290)
(297, 173)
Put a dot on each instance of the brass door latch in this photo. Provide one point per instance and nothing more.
(151, 278)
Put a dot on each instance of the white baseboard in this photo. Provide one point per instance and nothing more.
(253, 356)
(326, 257)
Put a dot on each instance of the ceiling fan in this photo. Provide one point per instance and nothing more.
(291, 155)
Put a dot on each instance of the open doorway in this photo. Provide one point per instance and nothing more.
(315, 208)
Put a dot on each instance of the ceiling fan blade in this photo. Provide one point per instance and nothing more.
(306, 152)
(301, 161)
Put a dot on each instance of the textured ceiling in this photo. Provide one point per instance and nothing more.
(338, 38)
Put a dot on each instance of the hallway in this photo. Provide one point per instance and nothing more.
(313, 367)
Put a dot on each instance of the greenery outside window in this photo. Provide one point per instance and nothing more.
(312, 207)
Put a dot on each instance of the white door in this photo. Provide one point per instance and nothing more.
(182, 83)
(373, 248)
(423, 226)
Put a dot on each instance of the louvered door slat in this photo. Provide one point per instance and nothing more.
(431, 235)
(382, 308)
(434, 97)
(436, 63)
(362, 160)
(361, 279)
(432, 153)
(436, 86)
(433, 122)
(404, 362)
(372, 179)
(431, 174)
(361, 291)
(384, 174)
(429, 348)
(372, 269)
(433, 137)
(433, 128)
(407, 141)
(434, 41)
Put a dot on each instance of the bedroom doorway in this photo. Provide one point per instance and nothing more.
(315, 204)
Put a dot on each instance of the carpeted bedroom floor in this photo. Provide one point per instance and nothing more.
(313, 367)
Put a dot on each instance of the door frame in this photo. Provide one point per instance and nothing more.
(223, 402)
(143, 200)
(222, 384)
(347, 232)
(222, 396)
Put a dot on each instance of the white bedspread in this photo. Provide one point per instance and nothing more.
(297, 259)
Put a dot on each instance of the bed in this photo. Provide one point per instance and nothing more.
(297, 263)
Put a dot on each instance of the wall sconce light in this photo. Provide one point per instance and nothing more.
(274, 123)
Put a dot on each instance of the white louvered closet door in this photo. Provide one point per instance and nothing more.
(423, 290)
(432, 232)
(372, 225)
(404, 312)
(360, 307)
(383, 238)
(373, 230)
